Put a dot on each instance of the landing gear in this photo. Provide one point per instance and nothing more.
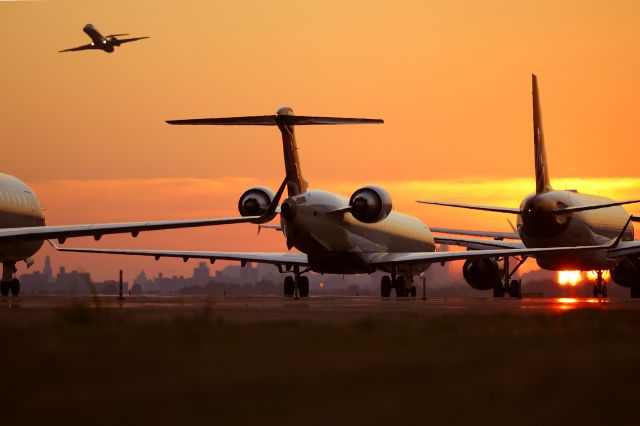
(385, 286)
(9, 283)
(505, 285)
(303, 286)
(600, 288)
(634, 290)
(289, 286)
(403, 285)
(296, 285)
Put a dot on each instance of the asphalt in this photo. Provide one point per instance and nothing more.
(313, 309)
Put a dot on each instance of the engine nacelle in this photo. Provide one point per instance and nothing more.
(482, 274)
(255, 201)
(370, 204)
(627, 272)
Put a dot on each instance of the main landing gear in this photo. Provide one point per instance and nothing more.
(9, 283)
(505, 285)
(297, 285)
(403, 285)
(600, 287)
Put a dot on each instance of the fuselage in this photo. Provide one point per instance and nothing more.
(336, 242)
(591, 227)
(19, 207)
(97, 39)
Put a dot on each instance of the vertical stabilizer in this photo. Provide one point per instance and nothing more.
(295, 182)
(540, 153)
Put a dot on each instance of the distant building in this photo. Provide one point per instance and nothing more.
(201, 275)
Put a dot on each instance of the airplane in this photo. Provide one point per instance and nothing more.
(100, 42)
(334, 234)
(554, 218)
(23, 229)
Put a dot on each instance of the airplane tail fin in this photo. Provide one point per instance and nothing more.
(285, 120)
(542, 169)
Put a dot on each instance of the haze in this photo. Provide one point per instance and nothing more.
(451, 80)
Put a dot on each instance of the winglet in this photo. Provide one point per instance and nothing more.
(624, 229)
(271, 211)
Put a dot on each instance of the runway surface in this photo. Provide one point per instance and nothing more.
(313, 309)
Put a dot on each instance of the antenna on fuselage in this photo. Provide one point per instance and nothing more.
(285, 120)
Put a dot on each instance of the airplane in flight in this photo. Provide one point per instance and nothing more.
(100, 42)
(554, 218)
(23, 229)
(334, 234)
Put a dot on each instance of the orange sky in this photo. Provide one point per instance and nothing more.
(451, 79)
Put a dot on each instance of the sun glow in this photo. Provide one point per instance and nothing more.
(593, 275)
(569, 278)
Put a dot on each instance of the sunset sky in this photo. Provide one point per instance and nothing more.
(451, 79)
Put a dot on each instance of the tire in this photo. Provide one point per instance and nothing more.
(498, 290)
(604, 292)
(385, 286)
(414, 291)
(400, 287)
(15, 287)
(288, 286)
(595, 291)
(4, 287)
(303, 286)
(515, 289)
(634, 290)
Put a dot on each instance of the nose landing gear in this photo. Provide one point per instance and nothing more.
(403, 285)
(505, 285)
(9, 283)
(600, 287)
(297, 285)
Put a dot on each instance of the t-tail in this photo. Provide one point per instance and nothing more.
(542, 169)
(286, 121)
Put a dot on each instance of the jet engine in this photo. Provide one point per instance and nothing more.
(370, 204)
(255, 201)
(482, 274)
(627, 272)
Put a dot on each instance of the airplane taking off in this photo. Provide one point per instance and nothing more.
(552, 218)
(335, 234)
(23, 229)
(98, 41)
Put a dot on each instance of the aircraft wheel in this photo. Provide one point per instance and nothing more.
(14, 285)
(596, 293)
(515, 289)
(385, 286)
(414, 291)
(288, 286)
(400, 287)
(4, 287)
(303, 286)
(498, 290)
(604, 292)
(634, 290)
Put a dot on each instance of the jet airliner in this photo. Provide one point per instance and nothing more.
(334, 234)
(552, 218)
(100, 42)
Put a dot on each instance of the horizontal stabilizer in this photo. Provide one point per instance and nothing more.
(488, 234)
(274, 120)
(473, 207)
(575, 209)
(117, 35)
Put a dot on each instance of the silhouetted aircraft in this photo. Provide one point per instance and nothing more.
(551, 218)
(98, 41)
(334, 234)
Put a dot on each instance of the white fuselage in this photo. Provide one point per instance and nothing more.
(591, 227)
(19, 207)
(339, 243)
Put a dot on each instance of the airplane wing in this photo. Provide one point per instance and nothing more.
(75, 49)
(489, 234)
(279, 259)
(61, 233)
(127, 40)
(473, 207)
(625, 248)
(477, 244)
(450, 256)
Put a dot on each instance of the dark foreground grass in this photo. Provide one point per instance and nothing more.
(97, 367)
